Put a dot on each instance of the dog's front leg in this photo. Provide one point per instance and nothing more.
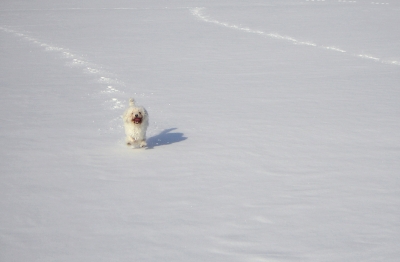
(143, 143)
(129, 140)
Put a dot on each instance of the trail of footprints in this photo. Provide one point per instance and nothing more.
(110, 84)
(199, 13)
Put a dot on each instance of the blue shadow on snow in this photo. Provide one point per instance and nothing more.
(165, 138)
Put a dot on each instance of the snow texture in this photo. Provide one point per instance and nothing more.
(274, 130)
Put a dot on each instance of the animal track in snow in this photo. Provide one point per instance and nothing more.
(197, 12)
(73, 60)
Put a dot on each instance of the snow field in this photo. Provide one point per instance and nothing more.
(274, 132)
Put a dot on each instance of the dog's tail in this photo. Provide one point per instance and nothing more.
(131, 102)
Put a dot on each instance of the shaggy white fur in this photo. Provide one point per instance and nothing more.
(136, 121)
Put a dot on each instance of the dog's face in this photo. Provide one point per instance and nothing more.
(135, 115)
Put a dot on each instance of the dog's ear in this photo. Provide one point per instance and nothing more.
(131, 102)
(126, 116)
(145, 114)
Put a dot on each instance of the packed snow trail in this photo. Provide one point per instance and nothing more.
(103, 77)
(199, 13)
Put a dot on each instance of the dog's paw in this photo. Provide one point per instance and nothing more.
(143, 144)
(130, 141)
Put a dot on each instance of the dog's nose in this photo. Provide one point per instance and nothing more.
(136, 115)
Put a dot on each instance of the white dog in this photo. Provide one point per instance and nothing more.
(136, 121)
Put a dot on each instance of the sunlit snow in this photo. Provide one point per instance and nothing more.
(274, 130)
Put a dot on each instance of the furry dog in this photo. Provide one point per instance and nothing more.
(136, 121)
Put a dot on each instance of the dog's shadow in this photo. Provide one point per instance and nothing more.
(165, 138)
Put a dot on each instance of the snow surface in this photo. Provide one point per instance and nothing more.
(274, 130)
